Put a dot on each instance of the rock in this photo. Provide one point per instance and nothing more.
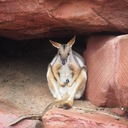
(7, 118)
(43, 18)
(106, 59)
(9, 112)
(58, 118)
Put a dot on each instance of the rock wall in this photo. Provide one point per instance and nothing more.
(45, 18)
(107, 61)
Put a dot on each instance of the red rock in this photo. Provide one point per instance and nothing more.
(9, 113)
(5, 119)
(43, 18)
(58, 118)
(107, 62)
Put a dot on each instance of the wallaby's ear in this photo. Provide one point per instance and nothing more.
(72, 41)
(55, 44)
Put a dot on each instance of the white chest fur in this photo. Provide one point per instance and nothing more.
(65, 73)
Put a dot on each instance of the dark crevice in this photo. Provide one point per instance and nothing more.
(36, 47)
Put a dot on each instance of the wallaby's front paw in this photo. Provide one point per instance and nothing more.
(70, 84)
(62, 84)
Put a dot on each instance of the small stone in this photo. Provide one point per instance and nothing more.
(119, 111)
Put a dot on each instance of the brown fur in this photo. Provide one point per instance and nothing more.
(66, 72)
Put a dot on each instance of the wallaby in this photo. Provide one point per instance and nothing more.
(67, 73)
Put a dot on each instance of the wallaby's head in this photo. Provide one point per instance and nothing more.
(64, 50)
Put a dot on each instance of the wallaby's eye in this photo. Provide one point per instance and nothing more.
(68, 53)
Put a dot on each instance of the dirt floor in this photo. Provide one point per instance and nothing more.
(23, 67)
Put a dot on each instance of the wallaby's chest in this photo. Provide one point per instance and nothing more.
(65, 73)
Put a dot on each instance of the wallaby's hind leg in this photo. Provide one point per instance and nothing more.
(77, 90)
(53, 85)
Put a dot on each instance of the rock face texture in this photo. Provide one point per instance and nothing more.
(57, 118)
(45, 18)
(107, 61)
(9, 113)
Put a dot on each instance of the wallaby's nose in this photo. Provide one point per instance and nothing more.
(63, 62)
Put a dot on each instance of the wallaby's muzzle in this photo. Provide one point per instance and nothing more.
(63, 61)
